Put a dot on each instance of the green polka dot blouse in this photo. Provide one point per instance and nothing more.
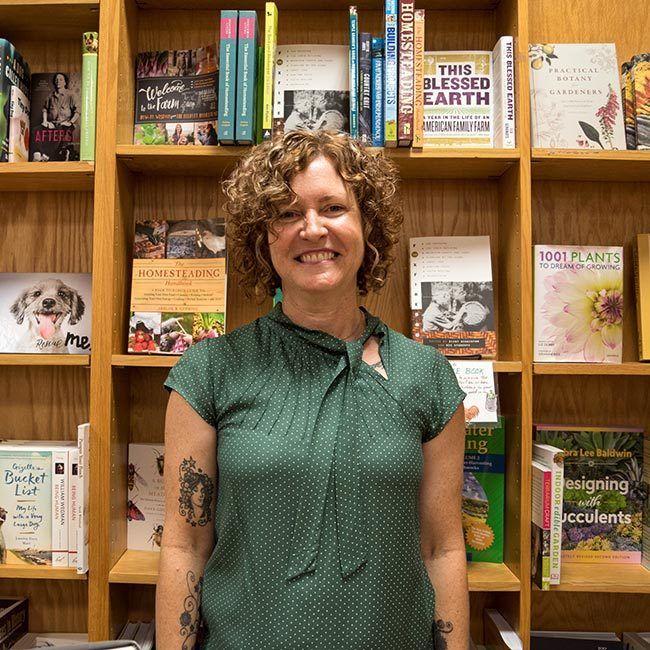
(320, 460)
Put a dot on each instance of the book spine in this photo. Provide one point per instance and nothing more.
(406, 73)
(390, 97)
(503, 119)
(641, 80)
(418, 80)
(541, 521)
(19, 109)
(83, 431)
(642, 289)
(627, 93)
(4, 93)
(354, 72)
(246, 77)
(365, 90)
(14, 622)
(259, 96)
(645, 542)
(73, 518)
(227, 76)
(59, 508)
(89, 44)
(270, 41)
(377, 61)
(14, 71)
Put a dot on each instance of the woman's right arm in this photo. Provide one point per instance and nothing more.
(188, 537)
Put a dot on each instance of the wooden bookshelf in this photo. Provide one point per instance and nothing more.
(613, 369)
(40, 19)
(44, 360)
(50, 176)
(486, 576)
(604, 578)
(26, 572)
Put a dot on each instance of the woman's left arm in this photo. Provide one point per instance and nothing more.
(441, 533)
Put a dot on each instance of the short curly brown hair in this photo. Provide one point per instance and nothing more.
(259, 188)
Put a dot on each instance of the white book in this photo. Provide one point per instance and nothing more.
(18, 126)
(634, 641)
(498, 630)
(312, 87)
(476, 378)
(503, 78)
(575, 96)
(553, 457)
(75, 502)
(83, 431)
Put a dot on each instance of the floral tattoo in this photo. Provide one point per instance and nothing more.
(190, 619)
(196, 490)
(441, 627)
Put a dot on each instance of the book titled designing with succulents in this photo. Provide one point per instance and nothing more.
(604, 492)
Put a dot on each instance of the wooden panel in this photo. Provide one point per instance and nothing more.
(45, 55)
(148, 401)
(50, 176)
(595, 214)
(506, 603)
(487, 576)
(614, 578)
(131, 603)
(44, 359)
(591, 165)
(629, 368)
(312, 8)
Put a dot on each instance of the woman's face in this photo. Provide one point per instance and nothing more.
(318, 244)
(179, 129)
(198, 496)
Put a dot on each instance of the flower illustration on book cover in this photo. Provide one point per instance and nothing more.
(606, 118)
(584, 313)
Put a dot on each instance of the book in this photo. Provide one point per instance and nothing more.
(458, 99)
(640, 73)
(553, 458)
(645, 544)
(14, 73)
(452, 296)
(19, 120)
(311, 88)
(603, 492)
(270, 43)
(259, 96)
(627, 93)
(499, 632)
(483, 491)
(405, 57)
(89, 50)
(176, 97)
(541, 525)
(575, 96)
(246, 77)
(503, 75)
(566, 640)
(75, 504)
(227, 103)
(365, 88)
(390, 73)
(14, 621)
(353, 71)
(83, 449)
(52, 640)
(45, 313)
(418, 80)
(377, 51)
(642, 287)
(476, 379)
(634, 641)
(145, 510)
(178, 285)
(578, 303)
(55, 120)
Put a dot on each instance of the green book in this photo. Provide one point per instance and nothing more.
(89, 47)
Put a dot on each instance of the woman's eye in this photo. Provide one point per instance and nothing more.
(289, 216)
(335, 209)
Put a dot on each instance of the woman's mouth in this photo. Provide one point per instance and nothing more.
(313, 258)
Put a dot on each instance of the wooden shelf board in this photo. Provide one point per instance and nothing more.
(590, 165)
(29, 572)
(508, 366)
(604, 578)
(211, 161)
(44, 359)
(57, 176)
(628, 368)
(65, 20)
(486, 576)
(136, 568)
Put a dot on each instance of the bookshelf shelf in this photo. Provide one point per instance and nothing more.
(44, 359)
(39, 573)
(136, 568)
(69, 19)
(606, 578)
(616, 369)
(486, 576)
(590, 165)
(57, 176)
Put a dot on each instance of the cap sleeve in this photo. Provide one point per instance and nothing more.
(446, 395)
(193, 379)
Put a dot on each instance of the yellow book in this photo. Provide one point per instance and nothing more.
(270, 41)
(642, 277)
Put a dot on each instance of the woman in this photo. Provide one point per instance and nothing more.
(340, 441)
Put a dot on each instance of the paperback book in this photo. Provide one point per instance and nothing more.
(176, 97)
(642, 286)
(541, 526)
(14, 94)
(178, 287)
(89, 56)
(567, 640)
(452, 297)
(640, 77)
(14, 621)
(604, 492)
(578, 303)
(477, 380)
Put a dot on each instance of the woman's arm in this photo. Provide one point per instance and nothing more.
(441, 533)
(188, 537)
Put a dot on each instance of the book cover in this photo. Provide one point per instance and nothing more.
(353, 71)
(83, 447)
(575, 98)
(642, 287)
(578, 303)
(176, 97)
(14, 72)
(452, 297)
(567, 640)
(405, 98)
(418, 80)
(270, 43)
(365, 88)
(246, 77)
(89, 50)
(45, 313)
(604, 492)
(477, 380)
(55, 121)
(541, 525)
(641, 87)
(311, 88)
(645, 545)
(458, 99)
(146, 497)
(178, 285)
(19, 111)
(503, 69)
(75, 503)
(391, 74)
(483, 491)
(377, 51)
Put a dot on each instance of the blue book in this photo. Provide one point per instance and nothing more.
(365, 108)
(390, 90)
(377, 78)
(228, 71)
(354, 73)
(246, 77)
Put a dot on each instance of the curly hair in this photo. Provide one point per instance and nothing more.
(259, 188)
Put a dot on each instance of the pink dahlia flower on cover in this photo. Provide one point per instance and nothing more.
(584, 314)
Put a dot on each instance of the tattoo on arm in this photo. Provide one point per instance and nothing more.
(441, 628)
(196, 488)
(190, 619)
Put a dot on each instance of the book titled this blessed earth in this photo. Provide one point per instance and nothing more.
(178, 288)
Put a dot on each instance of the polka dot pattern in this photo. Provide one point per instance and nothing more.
(320, 461)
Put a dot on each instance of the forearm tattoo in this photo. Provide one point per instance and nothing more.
(190, 619)
(440, 630)
(196, 490)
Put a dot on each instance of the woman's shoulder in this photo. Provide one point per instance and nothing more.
(411, 351)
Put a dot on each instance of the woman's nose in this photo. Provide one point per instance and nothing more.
(313, 226)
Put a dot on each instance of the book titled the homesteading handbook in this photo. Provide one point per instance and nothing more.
(176, 97)
(14, 104)
(452, 303)
(178, 287)
(604, 492)
(578, 303)
(575, 96)
(483, 491)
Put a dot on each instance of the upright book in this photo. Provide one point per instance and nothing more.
(503, 76)
(406, 59)
(14, 102)
(390, 73)
(228, 76)
(270, 43)
(642, 286)
(541, 525)
(353, 72)
(377, 51)
(246, 77)
(89, 52)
